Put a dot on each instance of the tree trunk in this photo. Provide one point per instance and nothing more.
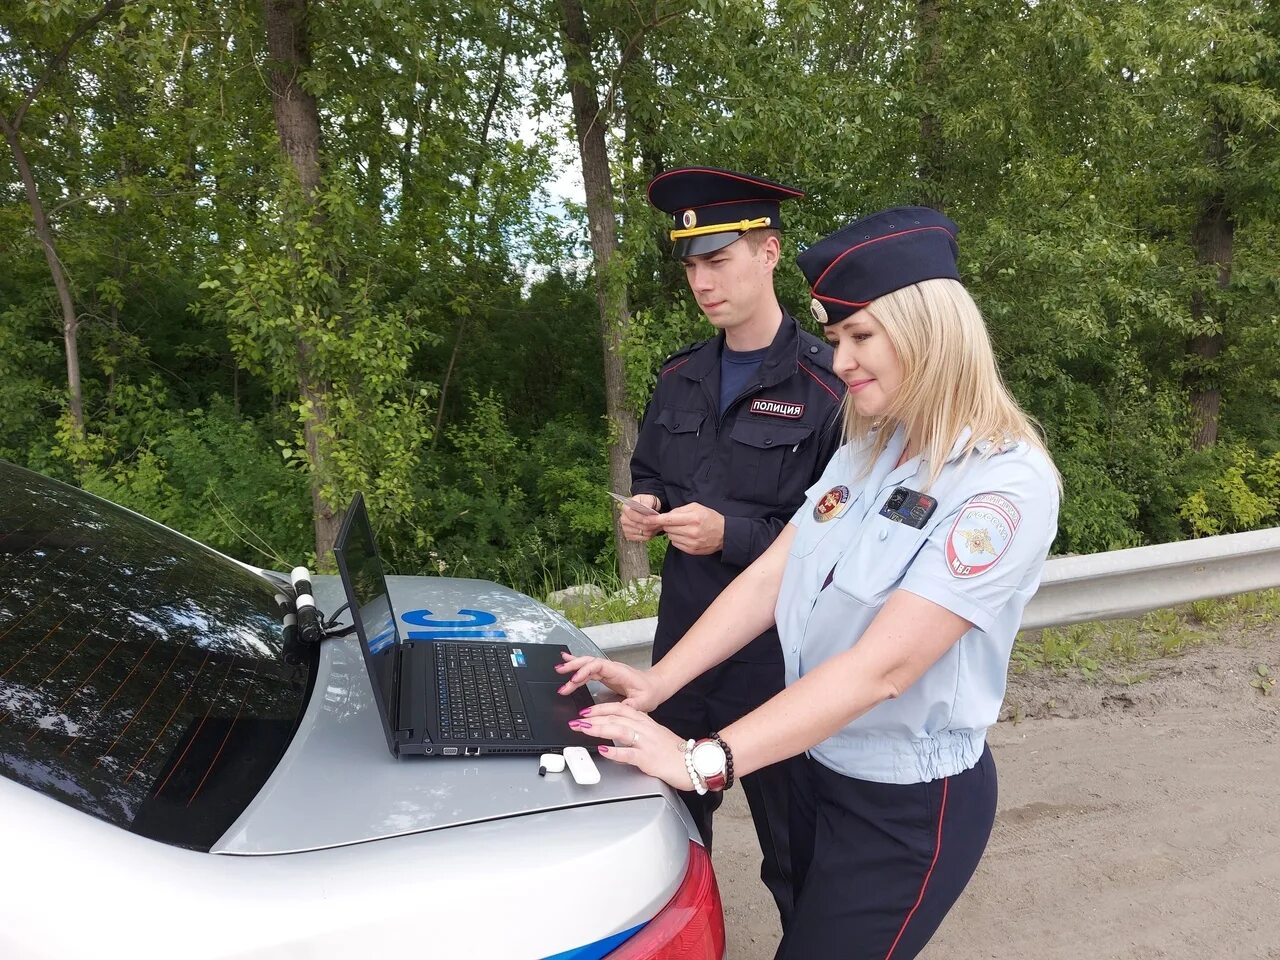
(929, 84)
(1212, 239)
(611, 292)
(298, 126)
(44, 233)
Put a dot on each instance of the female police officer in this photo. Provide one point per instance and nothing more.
(897, 590)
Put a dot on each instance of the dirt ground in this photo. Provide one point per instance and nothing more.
(1137, 822)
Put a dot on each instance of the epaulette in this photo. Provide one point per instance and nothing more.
(820, 358)
(682, 352)
(1001, 445)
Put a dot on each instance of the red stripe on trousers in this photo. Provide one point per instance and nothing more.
(937, 849)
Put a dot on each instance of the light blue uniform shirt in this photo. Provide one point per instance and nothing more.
(980, 555)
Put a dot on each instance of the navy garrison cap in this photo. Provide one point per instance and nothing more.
(877, 255)
(713, 208)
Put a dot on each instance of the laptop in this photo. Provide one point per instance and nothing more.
(447, 698)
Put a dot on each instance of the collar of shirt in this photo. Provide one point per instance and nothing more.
(885, 469)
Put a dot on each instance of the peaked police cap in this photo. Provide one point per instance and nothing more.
(712, 207)
(876, 255)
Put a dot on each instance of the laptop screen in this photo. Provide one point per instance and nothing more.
(371, 611)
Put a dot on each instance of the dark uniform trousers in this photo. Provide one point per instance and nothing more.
(713, 701)
(752, 464)
(877, 866)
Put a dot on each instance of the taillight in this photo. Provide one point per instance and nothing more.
(690, 926)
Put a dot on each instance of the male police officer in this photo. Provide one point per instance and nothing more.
(737, 429)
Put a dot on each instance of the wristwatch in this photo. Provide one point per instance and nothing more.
(711, 762)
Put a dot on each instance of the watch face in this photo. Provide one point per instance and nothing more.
(708, 759)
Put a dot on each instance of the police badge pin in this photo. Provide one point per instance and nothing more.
(831, 504)
(818, 310)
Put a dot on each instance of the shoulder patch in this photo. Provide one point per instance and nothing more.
(981, 534)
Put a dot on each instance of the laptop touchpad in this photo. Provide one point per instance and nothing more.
(556, 711)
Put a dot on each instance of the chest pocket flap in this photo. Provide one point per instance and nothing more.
(680, 445)
(758, 461)
(681, 421)
(877, 562)
(766, 435)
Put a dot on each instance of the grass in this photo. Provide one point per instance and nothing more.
(1116, 647)
(632, 602)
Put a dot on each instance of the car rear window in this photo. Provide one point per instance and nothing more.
(143, 678)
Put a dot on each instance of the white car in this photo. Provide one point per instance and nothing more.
(176, 780)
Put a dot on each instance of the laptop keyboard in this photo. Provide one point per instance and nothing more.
(479, 696)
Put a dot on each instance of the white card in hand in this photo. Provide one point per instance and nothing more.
(635, 505)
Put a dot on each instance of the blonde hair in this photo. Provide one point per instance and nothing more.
(949, 379)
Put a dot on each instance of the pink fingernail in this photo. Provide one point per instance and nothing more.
(579, 724)
(564, 688)
(584, 712)
(603, 749)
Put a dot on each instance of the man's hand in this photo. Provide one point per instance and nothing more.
(694, 529)
(639, 527)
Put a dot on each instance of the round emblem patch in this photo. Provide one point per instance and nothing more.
(981, 535)
(818, 310)
(690, 219)
(831, 504)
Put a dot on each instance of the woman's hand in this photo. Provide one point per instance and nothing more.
(641, 689)
(640, 741)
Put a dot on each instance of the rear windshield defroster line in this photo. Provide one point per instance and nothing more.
(143, 679)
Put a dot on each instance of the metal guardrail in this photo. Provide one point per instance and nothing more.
(1097, 586)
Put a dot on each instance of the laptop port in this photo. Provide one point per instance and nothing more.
(471, 751)
(450, 751)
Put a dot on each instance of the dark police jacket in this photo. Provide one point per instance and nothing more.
(752, 465)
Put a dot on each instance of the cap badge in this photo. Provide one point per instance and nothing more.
(690, 219)
(818, 310)
(831, 504)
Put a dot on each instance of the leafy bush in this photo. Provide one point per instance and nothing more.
(1228, 489)
(216, 477)
(529, 512)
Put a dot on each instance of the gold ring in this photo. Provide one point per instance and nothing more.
(635, 737)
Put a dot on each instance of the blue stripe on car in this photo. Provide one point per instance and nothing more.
(452, 634)
(601, 948)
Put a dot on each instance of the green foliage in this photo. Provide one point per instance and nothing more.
(294, 310)
(433, 292)
(1061, 650)
(217, 478)
(1263, 680)
(634, 601)
(1231, 488)
(532, 513)
(29, 397)
(1106, 649)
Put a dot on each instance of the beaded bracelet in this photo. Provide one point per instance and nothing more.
(699, 784)
(728, 759)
